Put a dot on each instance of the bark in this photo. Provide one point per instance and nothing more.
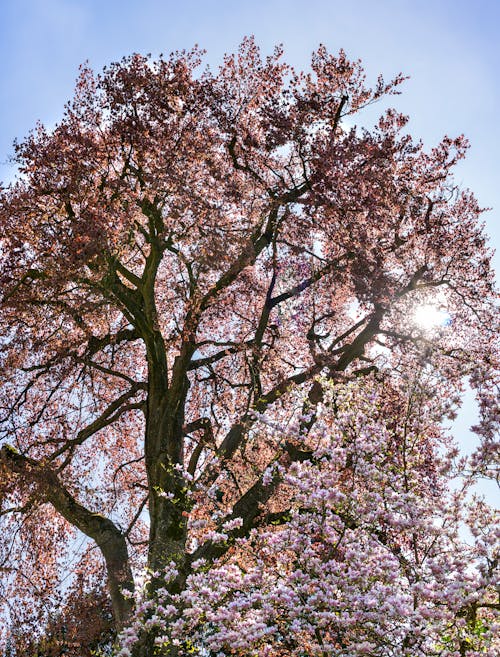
(100, 529)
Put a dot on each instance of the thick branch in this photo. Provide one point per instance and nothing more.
(100, 529)
(97, 344)
(249, 506)
(208, 436)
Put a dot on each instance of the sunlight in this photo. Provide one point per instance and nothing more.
(430, 316)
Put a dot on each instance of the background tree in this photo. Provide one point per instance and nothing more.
(81, 627)
(190, 266)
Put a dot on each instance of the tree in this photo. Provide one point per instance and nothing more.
(213, 371)
(82, 627)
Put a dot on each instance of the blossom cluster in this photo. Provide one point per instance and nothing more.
(367, 558)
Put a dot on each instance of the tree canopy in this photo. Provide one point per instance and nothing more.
(217, 369)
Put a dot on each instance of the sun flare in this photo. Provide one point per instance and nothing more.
(429, 316)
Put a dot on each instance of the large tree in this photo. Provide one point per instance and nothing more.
(216, 370)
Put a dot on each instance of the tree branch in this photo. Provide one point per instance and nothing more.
(100, 529)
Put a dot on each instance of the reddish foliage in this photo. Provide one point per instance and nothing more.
(185, 256)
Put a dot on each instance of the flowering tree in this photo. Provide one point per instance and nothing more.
(215, 368)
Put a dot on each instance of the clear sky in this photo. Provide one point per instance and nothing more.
(449, 48)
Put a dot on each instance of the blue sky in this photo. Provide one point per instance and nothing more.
(449, 48)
